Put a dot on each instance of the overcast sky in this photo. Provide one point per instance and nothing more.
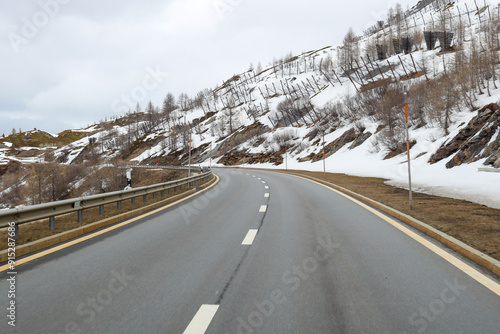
(69, 63)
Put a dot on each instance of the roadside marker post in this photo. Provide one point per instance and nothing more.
(408, 149)
(324, 158)
(286, 157)
(189, 168)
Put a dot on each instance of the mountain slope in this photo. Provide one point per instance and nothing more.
(349, 97)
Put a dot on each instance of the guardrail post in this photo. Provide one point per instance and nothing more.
(80, 216)
(119, 205)
(132, 201)
(145, 198)
(154, 195)
(162, 193)
(101, 210)
(51, 224)
(16, 232)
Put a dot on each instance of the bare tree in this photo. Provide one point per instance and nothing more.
(443, 96)
(173, 141)
(462, 74)
(198, 100)
(391, 118)
(184, 101)
(399, 19)
(230, 117)
(152, 117)
(350, 49)
(168, 105)
(258, 68)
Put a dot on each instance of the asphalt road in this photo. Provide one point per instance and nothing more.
(260, 252)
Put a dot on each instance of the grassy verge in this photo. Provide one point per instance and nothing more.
(474, 224)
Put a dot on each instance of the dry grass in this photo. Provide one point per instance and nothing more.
(476, 225)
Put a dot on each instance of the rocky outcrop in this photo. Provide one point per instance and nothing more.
(350, 136)
(241, 158)
(12, 167)
(493, 153)
(240, 137)
(360, 139)
(401, 149)
(474, 142)
(347, 137)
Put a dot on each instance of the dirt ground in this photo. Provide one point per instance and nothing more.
(476, 225)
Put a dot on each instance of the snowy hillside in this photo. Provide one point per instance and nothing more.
(349, 97)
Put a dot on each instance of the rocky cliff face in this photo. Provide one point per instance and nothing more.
(244, 158)
(476, 141)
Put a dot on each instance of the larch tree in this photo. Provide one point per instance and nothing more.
(350, 49)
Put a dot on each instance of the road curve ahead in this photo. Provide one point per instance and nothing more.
(260, 252)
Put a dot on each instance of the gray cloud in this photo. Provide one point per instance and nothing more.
(66, 63)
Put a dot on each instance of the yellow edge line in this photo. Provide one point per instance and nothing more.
(475, 274)
(106, 230)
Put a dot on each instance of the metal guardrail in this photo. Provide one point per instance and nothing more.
(192, 168)
(31, 213)
(197, 168)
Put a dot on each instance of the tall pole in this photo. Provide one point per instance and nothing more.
(286, 157)
(189, 161)
(324, 157)
(408, 149)
(189, 168)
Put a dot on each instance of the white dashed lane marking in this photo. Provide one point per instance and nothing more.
(249, 237)
(263, 208)
(202, 319)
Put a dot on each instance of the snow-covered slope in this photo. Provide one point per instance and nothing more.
(349, 94)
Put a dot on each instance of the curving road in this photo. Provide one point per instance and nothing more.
(260, 252)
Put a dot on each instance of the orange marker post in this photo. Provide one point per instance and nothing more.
(408, 150)
(324, 158)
